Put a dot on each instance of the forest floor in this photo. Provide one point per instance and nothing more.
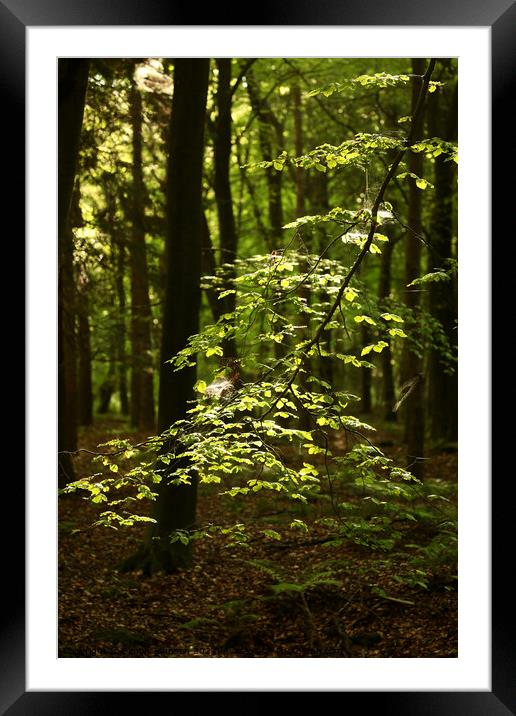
(348, 601)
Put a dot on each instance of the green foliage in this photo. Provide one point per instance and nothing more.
(445, 274)
(276, 431)
(283, 583)
(237, 442)
(379, 80)
(356, 152)
(231, 617)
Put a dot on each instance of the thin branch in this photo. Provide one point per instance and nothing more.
(374, 214)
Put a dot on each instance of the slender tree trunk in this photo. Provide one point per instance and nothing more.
(209, 268)
(73, 80)
(69, 339)
(118, 248)
(263, 230)
(442, 384)
(316, 187)
(142, 374)
(318, 194)
(107, 388)
(108, 385)
(267, 128)
(366, 404)
(412, 363)
(85, 393)
(299, 180)
(222, 185)
(365, 376)
(299, 173)
(175, 507)
(388, 391)
(83, 333)
(121, 327)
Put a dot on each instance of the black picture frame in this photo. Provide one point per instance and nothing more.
(500, 16)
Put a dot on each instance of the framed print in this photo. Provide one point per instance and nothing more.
(480, 680)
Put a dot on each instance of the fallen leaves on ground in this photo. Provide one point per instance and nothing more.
(226, 605)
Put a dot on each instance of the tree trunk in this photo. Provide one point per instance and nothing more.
(118, 249)
(222, 185)
(365, 374)
(442, 384)
(412, 363)
(175, 507)
(108, 385)
(267, 127)
(121, 328)
(83, 333)
(209, 268)
(318, 193)
(142, 375)
(106, 390)
(304, 293)
(384, 289)
(263, 230)
(299, 172)
(72, 83)
(85, 394)
(316, 187)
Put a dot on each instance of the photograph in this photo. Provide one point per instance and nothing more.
(258, 357)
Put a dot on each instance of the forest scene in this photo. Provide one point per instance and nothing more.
(257, 357)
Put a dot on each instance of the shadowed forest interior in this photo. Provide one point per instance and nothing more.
(257, 379)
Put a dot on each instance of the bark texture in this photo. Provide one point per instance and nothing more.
(72, 83)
